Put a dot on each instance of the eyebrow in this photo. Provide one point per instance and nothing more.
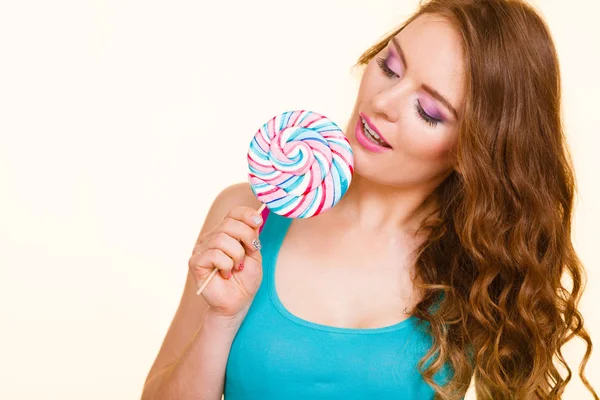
(434, 93)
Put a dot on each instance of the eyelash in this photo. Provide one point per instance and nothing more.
(386, 70)
(391, 74)
(426, 117)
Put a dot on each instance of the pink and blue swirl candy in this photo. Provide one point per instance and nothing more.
(300, 164)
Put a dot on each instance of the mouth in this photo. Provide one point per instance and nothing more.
(371, 133)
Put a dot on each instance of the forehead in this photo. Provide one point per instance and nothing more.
(433, 50)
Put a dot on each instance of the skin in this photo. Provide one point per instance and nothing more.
(354, 261)
(350, 267)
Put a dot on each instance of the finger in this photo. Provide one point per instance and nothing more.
(199, 248)
(247, 215)
(203, 263)
(242, 232)
(251, 274)
(228, 245)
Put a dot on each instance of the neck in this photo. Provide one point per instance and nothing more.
(377, 207)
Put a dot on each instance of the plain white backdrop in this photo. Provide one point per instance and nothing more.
(121, 120)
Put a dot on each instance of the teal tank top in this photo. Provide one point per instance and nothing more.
(277, 355)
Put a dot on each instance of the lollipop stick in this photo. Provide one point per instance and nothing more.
(215, 270)
(261, 208)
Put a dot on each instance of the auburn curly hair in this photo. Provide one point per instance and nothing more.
(500, 241)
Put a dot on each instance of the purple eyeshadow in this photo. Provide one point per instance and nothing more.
(429, 107)
(393, 63)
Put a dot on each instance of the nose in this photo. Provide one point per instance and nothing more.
(387, 102)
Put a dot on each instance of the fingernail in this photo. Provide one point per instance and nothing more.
(229, 275)
(256, 244)
(257, 220)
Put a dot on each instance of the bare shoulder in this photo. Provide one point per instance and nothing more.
(239, 194)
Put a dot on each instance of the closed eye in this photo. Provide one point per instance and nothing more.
(382, 62)
(426, 117)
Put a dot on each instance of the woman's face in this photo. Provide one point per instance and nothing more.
(409, 95)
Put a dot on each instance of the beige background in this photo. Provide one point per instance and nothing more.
(120, 121)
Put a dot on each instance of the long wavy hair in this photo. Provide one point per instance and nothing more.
(499, 244)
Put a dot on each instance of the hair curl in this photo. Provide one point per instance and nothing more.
(500, 241)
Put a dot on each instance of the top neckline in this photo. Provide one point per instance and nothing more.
(276, 227)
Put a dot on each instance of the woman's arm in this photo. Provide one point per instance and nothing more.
(200, 372)
(193, 356)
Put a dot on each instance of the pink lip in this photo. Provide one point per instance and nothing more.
(366, 142)
(374, 128)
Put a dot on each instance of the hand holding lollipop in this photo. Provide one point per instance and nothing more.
(300, 165)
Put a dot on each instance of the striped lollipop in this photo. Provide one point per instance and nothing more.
(300, 164)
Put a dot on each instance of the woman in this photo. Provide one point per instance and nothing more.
(442, 262)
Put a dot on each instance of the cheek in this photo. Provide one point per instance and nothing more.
(425, 144)
(370, 82)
